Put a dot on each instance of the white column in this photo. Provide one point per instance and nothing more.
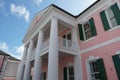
(78, 67)
(28, 64)
(77, 58)
(38, 61)
(20, 73)
(53, 51)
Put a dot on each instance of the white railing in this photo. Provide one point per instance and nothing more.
(33, 53)
(45, 45)
(67, 44)
(62, 44)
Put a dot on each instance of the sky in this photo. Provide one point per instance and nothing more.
(16, 16)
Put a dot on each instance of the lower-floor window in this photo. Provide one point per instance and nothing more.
(69, 73)
(44, 76)
(116, 60)
(97, 70)
(94, 72)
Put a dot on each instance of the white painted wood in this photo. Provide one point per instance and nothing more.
(38, 60)
(28, 64)
(53, 51)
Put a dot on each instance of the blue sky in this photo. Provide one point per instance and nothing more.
(16, 15)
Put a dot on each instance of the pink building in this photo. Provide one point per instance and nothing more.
(61, 46)
(8, 66)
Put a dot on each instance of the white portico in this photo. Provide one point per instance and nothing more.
(50, 41)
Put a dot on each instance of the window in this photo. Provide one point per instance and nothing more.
(67, 40)
(110, 17)
(94, 72)
(44, 76)
(69, 73)
(97, 70)
(87, 30)
(116, 60)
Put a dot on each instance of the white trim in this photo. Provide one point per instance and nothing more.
(14, 61)
(91, 58)
(118, 52)
(114, 28)
(101, 44)
(109, 5)
(88, 40)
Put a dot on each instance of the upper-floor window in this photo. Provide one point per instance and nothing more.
(110, 17)
(67, 40)
(87, 30)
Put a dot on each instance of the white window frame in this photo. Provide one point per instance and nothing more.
(69, 65)
(84, 31)
(66, 40)
(108, 18)
(90, 59)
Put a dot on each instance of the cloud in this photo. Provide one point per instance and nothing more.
(4, 46)
(37, 2)
(20, 11)
(17, 51)
(2, 7)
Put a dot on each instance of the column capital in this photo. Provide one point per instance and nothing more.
(54, 17)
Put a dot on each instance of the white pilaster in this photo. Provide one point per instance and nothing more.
(38, 60)
(28, 64)
(53, 51)
(20, 72)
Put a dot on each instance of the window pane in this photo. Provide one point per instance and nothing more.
(113, 22)
(88, 34)
(110, 13)
(94, 71)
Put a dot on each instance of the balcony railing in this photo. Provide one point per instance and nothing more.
(33, 53)
(63, 43)
(67, 44)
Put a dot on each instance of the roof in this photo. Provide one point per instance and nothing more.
(78, 14)
(3, 53)
(10, 57)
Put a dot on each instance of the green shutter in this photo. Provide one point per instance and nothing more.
(92, 25)
(101, 69)
(116, 12)
(65, 73)
(116, 60)
(80, 31)
(104, 21)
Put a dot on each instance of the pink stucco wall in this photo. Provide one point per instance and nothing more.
(105, 53)
(9, 78)
(102, 35)
(63, 62)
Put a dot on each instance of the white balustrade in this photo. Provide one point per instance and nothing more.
(63, 44)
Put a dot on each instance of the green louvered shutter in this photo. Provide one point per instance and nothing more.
(104, 21)
(101, 69)
(116, 60)
(116, 12)
(92, 25)
(80, 32)
(65, 73)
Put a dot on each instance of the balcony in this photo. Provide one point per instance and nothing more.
(63, 45)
